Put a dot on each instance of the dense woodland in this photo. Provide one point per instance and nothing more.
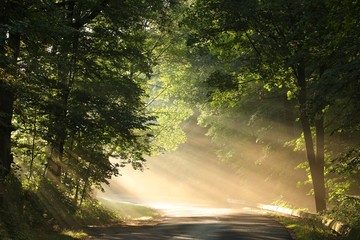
(89, 86)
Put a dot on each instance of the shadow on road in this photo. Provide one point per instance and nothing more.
(239, 226)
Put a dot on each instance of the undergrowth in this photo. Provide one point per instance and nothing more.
(307, 228)
(46, 213)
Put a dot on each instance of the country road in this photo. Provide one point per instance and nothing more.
(201, 223)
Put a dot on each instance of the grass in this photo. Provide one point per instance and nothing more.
(43, 234)
(48, 213)
(130, 211)
(75, 234)
(305, 229)
(15, 226)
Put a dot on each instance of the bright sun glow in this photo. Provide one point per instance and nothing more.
(193, 177)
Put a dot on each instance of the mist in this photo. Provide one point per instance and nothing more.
(194, 176)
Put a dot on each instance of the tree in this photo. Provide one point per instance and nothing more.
(287, 45)
(169, 81)
(81, 93)
(12, 24)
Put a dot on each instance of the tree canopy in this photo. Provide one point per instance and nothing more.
(73, 88)
(301, 54)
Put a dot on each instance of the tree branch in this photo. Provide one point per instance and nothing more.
(91, 14)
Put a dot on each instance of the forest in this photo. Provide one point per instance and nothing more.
(88, 87)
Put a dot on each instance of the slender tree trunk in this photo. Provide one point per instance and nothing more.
(86, 182)
(53, 166)
(66, 78)
(59, 120)
(31, 167)
(316, 162)
(6, 113)
(288, 119)
(320, 164)
(76, 197)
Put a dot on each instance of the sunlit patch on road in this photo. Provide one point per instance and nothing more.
(178, 210)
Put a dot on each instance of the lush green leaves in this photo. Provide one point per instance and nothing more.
(80, 87)
(295, 50)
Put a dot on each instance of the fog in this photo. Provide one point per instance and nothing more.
(194, 176)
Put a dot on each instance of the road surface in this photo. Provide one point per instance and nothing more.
(200, 223)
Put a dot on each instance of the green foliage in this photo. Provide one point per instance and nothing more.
(80, 89)
(129, 211)
(91, 81)
(348, 163)
(288, 49)
(11, 219)
(282, 203)
(346, 209)
(43, 213)
(307, 228)
(344, 181)
(92, 212)
(74, 234)
(76, 75)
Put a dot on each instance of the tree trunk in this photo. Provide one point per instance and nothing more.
(320, 164)
(288, 119)
(31, 167)
(86, 183)
(316, 162)
(76, 197)
(7, 98)
(53, 168)
(6, 113)
(83, 194)
(66, 77)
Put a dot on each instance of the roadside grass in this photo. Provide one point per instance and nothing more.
(130, 211)
(43, 234)
(122, 211)
(63, 235)
(74, 234)
(46, 212)
(305, 229)
(15, 226)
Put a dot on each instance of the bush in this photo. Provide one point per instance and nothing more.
(92, 212)
(43, 213)
(347, 210)
(13, 221)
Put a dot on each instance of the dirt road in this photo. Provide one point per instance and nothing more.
(239, 225)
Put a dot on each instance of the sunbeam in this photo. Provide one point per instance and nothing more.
(194, 176)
